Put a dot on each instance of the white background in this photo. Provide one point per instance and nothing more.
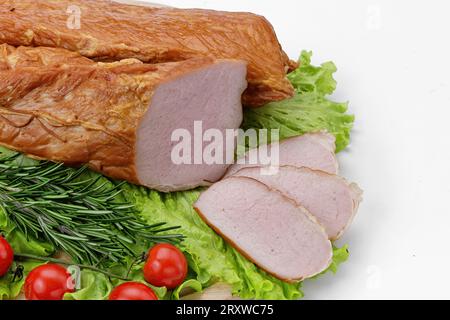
(394, 68)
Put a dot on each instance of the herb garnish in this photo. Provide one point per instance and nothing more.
(80, 212)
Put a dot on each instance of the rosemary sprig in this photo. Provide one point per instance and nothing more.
(77, 211)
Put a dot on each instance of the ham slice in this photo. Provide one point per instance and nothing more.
(271, 230)
(312, 150)
(107, 31)
(329, 198)
(116, 117)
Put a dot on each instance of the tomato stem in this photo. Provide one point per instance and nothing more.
(81, 266)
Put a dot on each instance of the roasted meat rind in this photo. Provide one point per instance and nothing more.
(112, 31)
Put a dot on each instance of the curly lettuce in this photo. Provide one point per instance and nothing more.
(309, 110)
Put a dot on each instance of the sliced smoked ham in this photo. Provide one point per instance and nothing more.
(270, 229)
(116, 117)
(107, 31)
(329, 198)
(312, 150)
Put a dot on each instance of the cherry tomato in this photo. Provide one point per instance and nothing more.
(132, 291)
(48, 282)
(166, 266)
(6, 256)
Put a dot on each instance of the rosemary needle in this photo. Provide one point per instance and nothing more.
(76, 210)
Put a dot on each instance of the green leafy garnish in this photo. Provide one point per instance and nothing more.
(309, 110)
(74, 210)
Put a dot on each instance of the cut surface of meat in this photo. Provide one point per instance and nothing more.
(271, 230)
(329, 198)
(116, 117)
(312, 150)
(105, 30)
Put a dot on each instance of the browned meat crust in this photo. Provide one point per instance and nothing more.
(112, 31)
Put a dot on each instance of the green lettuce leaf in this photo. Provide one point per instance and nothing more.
(340, 255)
(309, 110)
(21, 244)
(93, 286)
(191, 284)
(313, 79)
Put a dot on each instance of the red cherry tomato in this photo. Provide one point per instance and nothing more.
(132, 291)
(48, 282)
(6, 256)
(166, 266)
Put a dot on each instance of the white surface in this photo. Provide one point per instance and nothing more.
(393, 59)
